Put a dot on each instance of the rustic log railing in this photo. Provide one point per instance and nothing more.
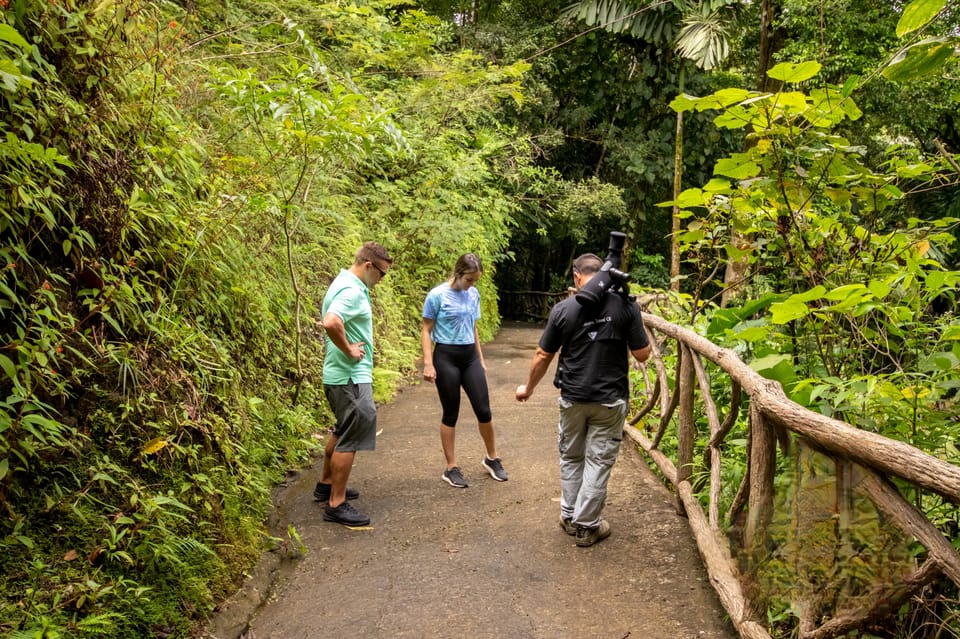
(771, 414)
(527, 305)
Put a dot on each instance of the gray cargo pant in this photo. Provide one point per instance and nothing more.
(589, 442)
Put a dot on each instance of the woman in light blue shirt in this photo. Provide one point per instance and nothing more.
(452, 359)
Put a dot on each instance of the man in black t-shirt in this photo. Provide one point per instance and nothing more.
(593, 341)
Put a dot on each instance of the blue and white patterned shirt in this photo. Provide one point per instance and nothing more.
(455, 314)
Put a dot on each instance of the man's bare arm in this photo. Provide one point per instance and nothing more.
(538, 368)
(333, 325)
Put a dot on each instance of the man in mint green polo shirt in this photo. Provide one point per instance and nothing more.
(348, 379)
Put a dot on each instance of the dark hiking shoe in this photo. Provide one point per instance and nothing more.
(345, 514)
(454, 477)
(322, 492)
(590, 536)
(495, 468)
(568, 526)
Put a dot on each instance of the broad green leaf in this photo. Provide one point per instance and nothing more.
(768, 361)
(795, 306)
(102, 476)
(726, 97)
(792, 101)
(846, 292)
(8, 367)
(692, 235)
(788, 72)
(787, 311)
(736, 117)
(683, 102)
(10, 76)
(935, 280)
(918, 13)
(851, 109)
(739, 167)
(830, 108)
(855, 304)
(727, 318)
(850, 85)
(752, 334)
(924, 58)
(4, 468)
(814, 293)
(11, 35)
(692, 197)
(776, 367)
(879, 289)
(717, 185)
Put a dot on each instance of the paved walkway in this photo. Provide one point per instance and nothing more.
(488, 561)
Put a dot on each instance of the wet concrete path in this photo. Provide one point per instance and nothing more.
(488, 561)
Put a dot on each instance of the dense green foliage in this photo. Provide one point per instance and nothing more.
(852, 273)
(179, 183)
(178, 189)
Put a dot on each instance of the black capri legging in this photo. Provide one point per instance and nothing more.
(458, 365)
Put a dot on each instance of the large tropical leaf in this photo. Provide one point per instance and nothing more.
(918, 13)
(926, 57)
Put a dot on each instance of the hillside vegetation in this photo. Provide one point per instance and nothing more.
(178, 189)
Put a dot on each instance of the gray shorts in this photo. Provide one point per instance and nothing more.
(356, 414)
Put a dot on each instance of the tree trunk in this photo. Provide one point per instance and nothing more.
(677, 186)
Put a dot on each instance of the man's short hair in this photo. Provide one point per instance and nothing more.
(587, 264)
(372, 252)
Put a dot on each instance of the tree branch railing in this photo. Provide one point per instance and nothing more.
(528, 304)
(772, 416)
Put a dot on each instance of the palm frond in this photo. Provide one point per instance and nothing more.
(703, 40)
(653, 21)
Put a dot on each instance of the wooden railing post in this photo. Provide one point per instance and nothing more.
(686, 426)
(762, 467)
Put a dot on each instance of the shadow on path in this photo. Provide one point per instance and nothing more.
(486, 561)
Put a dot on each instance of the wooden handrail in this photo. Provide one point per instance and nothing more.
(870, 449)
(771, 415)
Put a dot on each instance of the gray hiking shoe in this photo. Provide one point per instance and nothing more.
(495, 468)
(567, 525)
(454, 477)
(345, 514)
(590, 536)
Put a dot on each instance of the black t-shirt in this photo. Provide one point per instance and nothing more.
(593, 342)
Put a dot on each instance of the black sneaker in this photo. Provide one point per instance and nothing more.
(590, 536)
(495, 468)
(322, 492)
(345, 514)
(568, 526)
(454, 477)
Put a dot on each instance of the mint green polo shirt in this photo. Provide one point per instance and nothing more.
(349, 299)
